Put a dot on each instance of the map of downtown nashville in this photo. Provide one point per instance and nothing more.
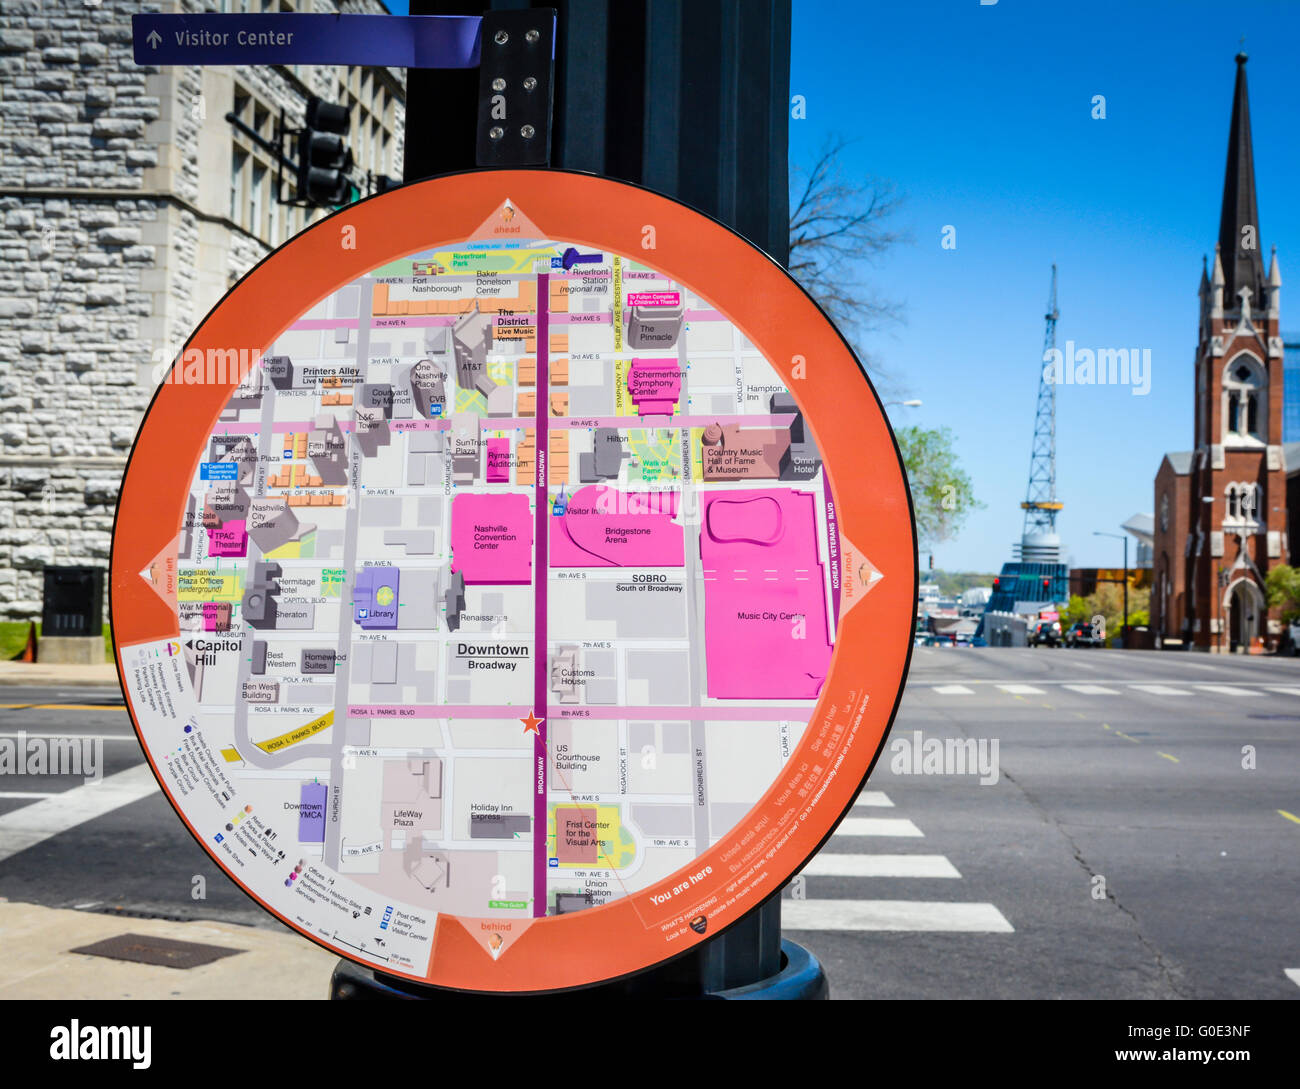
(503, 592)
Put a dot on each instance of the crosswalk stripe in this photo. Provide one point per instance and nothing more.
(874, 798)
(35, 823)
(1224, 690)
(892, 915)
(1092, 689)
(831, 865)
(29, 794)
(1293, 974)
(953, 690)
(1285, 691)
(877, 826)
(1160, 690)
(1021, 689)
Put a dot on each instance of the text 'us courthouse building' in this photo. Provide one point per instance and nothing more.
(1221, 509)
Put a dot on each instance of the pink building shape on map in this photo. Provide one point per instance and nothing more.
(654, 385)
(498, 461)
(606, 527)
(764, 595)
(492, 539)
(228, 539)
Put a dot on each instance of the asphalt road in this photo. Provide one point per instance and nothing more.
(1123, 852)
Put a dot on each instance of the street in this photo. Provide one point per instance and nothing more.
(1124, 851)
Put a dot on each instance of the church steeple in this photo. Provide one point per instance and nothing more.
(1239, 220)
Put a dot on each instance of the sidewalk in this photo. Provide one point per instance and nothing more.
(39, 675)
(37, 964)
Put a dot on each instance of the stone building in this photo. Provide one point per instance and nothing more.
(128, 206)
(1221, 508)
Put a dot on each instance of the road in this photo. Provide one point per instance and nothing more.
(1123, 852)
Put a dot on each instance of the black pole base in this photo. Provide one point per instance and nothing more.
(800, 978)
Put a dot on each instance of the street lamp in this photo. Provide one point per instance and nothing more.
(1123, 537)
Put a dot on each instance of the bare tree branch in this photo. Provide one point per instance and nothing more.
(837, 227)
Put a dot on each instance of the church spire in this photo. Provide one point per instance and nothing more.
(1239, 220)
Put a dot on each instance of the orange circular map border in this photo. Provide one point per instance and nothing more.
(875, 570)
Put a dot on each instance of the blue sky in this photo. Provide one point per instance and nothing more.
(980, 115)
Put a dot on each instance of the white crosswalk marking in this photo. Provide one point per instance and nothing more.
(30, 795)
(35, 823)
(1021, 689)
(892, 915)
(828, 865)
(1160, 690)
(1285, 691)
(1293, 974)
(953, 690)
(1227, 690)
(877, 826)
(874, 798)
(1091, 689)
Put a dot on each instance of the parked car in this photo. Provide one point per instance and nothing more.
(1082, 634)
(1046, 633)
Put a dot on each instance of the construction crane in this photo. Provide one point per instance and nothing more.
(1029, 589)
(1040, 505)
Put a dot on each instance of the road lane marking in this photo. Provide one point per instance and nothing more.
(1289, 816)
(35, 823)
(1168, 757)
(1020, 690)
(1160, 690)
(874, 797)
(1224, 690)
(831, 865)
(1120, 733)
(953, 690)
(1293, 974)
(1283, 690)
(1092, 690)
(893, 915)
(29, 793)
(877, 826)
(28, 734)
(62, 707)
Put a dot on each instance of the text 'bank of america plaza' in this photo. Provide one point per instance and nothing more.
(504, 585)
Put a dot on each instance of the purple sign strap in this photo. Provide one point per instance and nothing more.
(394, 41)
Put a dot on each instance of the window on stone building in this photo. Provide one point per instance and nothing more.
(1244, 401)
(238, 164)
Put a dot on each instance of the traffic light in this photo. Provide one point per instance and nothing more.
(1047, 584)
(324, 159)
(997, 585)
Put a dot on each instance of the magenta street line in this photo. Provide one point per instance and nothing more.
(510, 712)
(659, 423)
(503, 711)
(279, 427)
(540, 533)
(324, 323)
(768, 713)
(833, 545)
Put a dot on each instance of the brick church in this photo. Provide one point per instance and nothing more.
(1221, 508)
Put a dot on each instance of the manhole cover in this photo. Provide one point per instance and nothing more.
(163, 952)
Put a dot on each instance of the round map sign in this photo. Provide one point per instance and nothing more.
(513, 581)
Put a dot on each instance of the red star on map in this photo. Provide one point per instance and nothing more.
(531, 723)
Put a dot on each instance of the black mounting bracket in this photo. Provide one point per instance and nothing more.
(516, 76)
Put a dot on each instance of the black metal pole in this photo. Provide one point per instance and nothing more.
(690, 99)
(1125, 588)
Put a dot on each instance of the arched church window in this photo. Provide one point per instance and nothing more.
(1244, 400)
